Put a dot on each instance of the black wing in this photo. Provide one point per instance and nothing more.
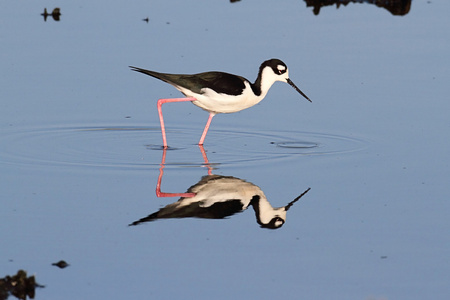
(224, 83)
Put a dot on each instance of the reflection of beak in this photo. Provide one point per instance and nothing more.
(297, 89)
(298, 198)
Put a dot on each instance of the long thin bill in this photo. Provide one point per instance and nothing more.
(297, 89)
(295, 200)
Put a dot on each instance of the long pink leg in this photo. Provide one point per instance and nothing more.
(205, 158)
(205, 131)
(161, 119)
(158, 184)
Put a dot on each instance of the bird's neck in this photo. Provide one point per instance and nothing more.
(264, 211)
(263, 82)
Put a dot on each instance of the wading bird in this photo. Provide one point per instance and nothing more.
(219, 92)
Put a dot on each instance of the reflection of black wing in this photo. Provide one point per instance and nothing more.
(218, 210)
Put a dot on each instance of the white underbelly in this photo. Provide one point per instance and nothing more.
(222, 103)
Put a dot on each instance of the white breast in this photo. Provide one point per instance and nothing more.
(223, 103)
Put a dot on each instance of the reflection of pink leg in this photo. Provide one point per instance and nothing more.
(158, 184)
(161, 119)
(205, 158)
(205, 131)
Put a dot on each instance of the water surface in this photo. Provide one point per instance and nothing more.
(80, 150)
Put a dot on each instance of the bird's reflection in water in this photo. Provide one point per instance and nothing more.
(56, 14)
(218, 197)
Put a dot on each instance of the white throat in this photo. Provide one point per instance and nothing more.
(268, 78)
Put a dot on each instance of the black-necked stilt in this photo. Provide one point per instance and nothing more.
(218, 197)
(218, 92)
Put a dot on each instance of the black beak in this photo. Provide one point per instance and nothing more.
(295, 200)
(297, 89)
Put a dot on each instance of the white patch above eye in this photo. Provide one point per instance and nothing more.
(281, 68)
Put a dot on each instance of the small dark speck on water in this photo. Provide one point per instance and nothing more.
(61, 264)
(383, 257)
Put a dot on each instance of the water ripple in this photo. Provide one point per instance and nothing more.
(134, 147)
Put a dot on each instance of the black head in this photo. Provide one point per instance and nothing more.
(278, 67)
(278, 72)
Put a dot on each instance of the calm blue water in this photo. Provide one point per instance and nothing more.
(80, 158)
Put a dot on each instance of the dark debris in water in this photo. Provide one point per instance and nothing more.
(19, 285)
(395, 7)
(55, 14)
(61, 264)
